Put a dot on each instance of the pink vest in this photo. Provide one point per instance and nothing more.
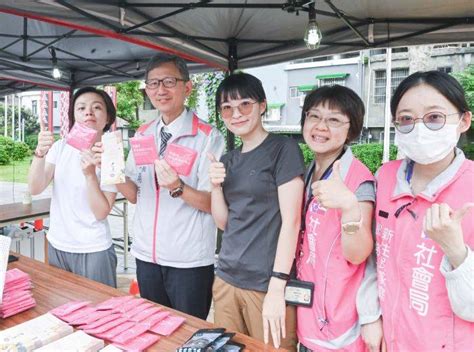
(416, 311)
(336, 281)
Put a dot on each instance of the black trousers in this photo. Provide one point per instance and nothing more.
(187, 290)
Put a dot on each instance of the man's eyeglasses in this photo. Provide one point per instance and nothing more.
(432, 120)
(332, 122)
(168, 82)
(244, 108)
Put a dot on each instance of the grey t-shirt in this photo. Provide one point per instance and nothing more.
(250, 189)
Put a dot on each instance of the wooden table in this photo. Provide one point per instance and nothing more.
(53, 287)
(15, 213)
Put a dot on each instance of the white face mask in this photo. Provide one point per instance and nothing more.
(425, 146)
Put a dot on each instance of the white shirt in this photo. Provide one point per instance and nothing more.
(73, 226)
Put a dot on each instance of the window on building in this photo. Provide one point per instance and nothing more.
(34, 107)
(380, 79)
(55, 104)
(295, 93)
(445, 69)
(273, 112)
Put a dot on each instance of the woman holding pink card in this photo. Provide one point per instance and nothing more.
(79, 235)
(256, 199)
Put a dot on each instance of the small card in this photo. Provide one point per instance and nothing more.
(180, 158)
(144, 150)
(112, 160)
(167, 326)
(299, 293)
(81, 136)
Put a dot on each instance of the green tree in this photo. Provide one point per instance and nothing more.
(129, 99)
(466, 78)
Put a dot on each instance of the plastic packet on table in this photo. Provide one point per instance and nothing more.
(139, 343)
(68, 308)
(167, 326)
(84, 311)
(144, 314)
(130, 333)
(100, 322)
(154, 319)
(106, 327)
(113, 302)
(138, 309)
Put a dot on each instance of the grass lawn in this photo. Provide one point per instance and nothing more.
(17, 171)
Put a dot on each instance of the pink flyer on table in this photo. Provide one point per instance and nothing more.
(113, 302)
(144, 150)
(68, 308)
(81, 136)
(139, 343)
(167, 326)
(180, 158)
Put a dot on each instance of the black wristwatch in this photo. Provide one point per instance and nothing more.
(178, 191)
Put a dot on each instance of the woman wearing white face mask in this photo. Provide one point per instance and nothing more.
(424, 231)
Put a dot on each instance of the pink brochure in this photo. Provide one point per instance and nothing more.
(144, 150)
(18, 286)
(91, 317)
(84, 311)
(106, 327)
(100, 322)
(109, 334)
(68, 308)
(129, 305)
(9, 312)
(143, 314)
(81, 136)
(137, 309)
(130, 334)
(155, 319)
(139, 343)
(113, 302)
(168, 326)
(180, 158)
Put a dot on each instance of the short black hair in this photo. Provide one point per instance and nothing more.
(338, 97)
(240, 86)
(445, 84)
(164, 58)
(109, 105)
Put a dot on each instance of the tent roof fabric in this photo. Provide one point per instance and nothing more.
(107, 41)
(332, 75)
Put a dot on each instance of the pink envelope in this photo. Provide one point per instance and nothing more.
(109, 334)
(139, 343)
(68, 308)
(17, 304)
(18, 286)
(100, 322)
(113, 302)
(167, 326)
(180, 158)
(142, 307)
(84, 311)
(90, 318)
(129, 305)
(130, 334)
(81, 136)
(142, 315)
(155, 319)
(144, 150)
(14, 276)
(10, 312)
(106, 327)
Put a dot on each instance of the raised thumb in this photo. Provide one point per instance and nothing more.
(460, 213)
(336, 171)
(211, 157)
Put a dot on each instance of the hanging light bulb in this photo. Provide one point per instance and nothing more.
(56, 72)
(312, 35)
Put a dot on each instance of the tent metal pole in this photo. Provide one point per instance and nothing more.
(13, 116)
(5, 116)
(388, 94)
(233, 61)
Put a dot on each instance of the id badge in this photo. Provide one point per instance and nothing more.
(299, 293)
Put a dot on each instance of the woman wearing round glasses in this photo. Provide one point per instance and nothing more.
(336, 239)
(424, 233)
(256, 199)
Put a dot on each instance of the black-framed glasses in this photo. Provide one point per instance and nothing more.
(244, 108)
(332, 122)
(168, 82)
(434, 121)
